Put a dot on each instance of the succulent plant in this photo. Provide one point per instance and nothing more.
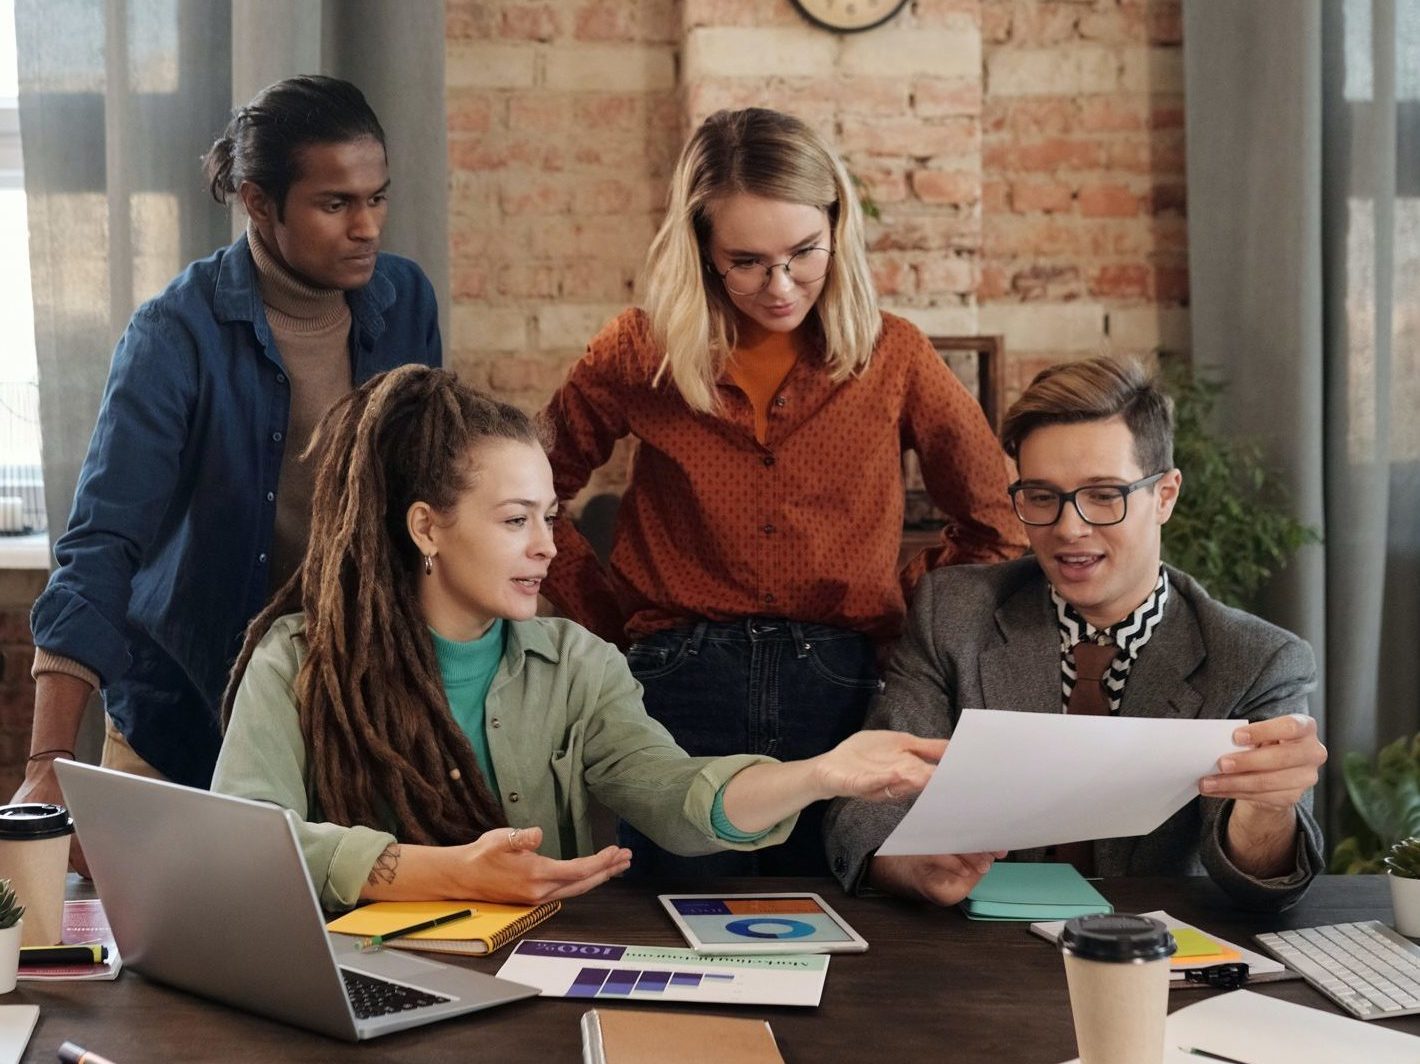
(10, 908)
(1403, 859)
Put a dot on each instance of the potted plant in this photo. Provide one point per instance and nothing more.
(1234, 529)
(1383, 806)
(11, 927)
(1403, 865)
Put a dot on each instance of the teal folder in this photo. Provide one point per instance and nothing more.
(1031, 891)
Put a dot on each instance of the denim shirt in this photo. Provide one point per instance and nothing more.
(165, 559)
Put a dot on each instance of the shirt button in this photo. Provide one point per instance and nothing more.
(261, 558)
(768, 530)
(514, 796)
(280, 378)
(780, 401)
(768, 460)
(769, 597)
(271, 496)
(495, 722)
(276, 436)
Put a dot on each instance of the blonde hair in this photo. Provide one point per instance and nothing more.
(776, 156)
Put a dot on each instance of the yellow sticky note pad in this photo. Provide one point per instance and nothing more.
(1195, 948)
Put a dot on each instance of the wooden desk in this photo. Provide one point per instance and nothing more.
(934, 986)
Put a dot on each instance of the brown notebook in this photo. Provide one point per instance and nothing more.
(630, 1036)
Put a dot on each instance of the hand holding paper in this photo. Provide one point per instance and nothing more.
(1013, 781)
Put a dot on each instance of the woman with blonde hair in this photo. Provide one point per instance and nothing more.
(753, 572)
(434, 737)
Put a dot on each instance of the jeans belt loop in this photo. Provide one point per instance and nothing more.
(801, 641)
(697, 636)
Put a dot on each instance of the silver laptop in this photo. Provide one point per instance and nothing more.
(210, 894)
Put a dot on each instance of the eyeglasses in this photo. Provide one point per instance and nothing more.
(1097, 504)
(1222, 976)
(749, 278)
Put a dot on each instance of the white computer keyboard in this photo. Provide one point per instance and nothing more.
(1365, 967)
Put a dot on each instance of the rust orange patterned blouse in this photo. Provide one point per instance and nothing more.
(806, 525)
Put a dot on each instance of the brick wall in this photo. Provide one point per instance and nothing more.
(18, 590)
(1026, 159)
(1084, 242)
(563, 126)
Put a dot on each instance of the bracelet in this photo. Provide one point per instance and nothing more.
(40, 756)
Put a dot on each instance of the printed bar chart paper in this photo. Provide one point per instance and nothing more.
(652, 973)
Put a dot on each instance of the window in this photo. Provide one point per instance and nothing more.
(21, 484)
(22, 489)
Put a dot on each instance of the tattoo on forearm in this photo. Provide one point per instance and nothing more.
(386, 866)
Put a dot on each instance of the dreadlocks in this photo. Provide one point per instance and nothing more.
(374, 716)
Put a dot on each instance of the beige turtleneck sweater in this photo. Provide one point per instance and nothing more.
(311, 329)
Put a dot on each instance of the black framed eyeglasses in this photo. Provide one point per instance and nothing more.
(806, 266)
(1221, 976)
(1097, 504)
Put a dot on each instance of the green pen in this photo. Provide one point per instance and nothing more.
(38, 956)
(376, 941)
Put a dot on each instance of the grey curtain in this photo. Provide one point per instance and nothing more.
(1304, 256)
(120, 98)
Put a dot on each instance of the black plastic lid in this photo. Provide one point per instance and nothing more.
(1117, 937)
(36, 820)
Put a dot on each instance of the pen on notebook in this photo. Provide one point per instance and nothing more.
(89, 953)
(69, 1053)
(376, 941)
(1193, 1051)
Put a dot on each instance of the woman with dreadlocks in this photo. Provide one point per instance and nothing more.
(435, 737)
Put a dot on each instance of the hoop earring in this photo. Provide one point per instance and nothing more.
(428, 565)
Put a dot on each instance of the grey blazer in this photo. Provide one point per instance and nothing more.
(986, 636)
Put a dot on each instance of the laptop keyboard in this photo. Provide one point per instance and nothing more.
(371, 997)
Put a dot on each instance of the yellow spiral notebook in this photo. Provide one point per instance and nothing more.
(490, 927)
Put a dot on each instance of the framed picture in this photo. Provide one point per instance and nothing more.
(980, 362)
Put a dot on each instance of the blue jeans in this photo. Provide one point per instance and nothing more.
(761, 686)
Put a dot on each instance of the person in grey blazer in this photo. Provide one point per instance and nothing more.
(1093, 442)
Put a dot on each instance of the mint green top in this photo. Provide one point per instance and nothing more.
(467, 670)
(564, 724)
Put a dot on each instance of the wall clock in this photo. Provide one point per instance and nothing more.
(849, 16)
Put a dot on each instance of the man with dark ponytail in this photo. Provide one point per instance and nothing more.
(193, 504)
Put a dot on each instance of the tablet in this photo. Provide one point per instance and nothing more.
(761, 923)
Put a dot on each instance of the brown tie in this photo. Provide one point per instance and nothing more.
(1089, 697)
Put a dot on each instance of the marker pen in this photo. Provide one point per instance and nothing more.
(36, 956)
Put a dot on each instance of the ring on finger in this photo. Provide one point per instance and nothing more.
(888, 791)
(513, 834)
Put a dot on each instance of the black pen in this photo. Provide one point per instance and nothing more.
(1211, 1056)
(37, 956)
(69, 1053)
(376, 941)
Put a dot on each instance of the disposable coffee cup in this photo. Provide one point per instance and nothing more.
(34, 857)
(1117, 967)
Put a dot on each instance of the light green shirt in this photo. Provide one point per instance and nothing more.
(565, 725)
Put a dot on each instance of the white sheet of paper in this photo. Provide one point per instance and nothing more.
(1013, 781)
(17, 1023)
(1263, 1030)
